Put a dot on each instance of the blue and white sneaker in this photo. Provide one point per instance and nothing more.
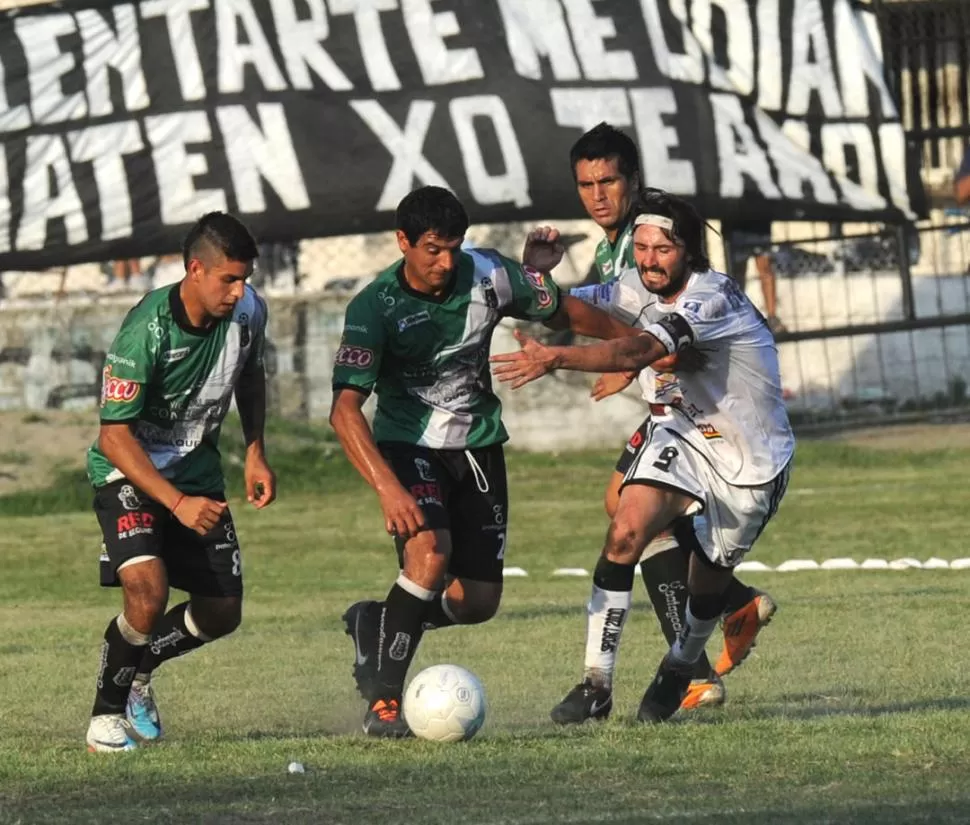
(109, 733)
(142, 712)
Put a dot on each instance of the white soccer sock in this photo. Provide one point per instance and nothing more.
(606, 613)
(693, 638)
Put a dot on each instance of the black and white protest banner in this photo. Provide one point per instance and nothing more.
(120, 123)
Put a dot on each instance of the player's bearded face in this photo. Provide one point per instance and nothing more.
(606, 193)
(661, 260)
(429, 263)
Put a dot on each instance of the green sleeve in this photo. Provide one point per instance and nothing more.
(358, 359)
(128, 368)
(535, 296)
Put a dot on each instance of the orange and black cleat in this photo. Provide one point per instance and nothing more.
(385, 720)
(741, 630)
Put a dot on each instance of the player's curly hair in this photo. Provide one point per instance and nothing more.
(222, 232)
(431, 209)
(602, 142)
(688, 224)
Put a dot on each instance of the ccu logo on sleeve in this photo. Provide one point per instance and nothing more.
(538, 283)
(118, 390)
(357, 357)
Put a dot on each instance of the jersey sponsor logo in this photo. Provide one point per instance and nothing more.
(120, 359)
(607, 267)
(538, 283)
(117, 390)
(128, 498)
(357, 357)
(413, 320)
(174, 355)
(387, 300)
(355, 328)
(708, 430)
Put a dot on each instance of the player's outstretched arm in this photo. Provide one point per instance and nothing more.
(402, 516)
(124, 452)
(251, 403)
(585, 319)
(535, 360)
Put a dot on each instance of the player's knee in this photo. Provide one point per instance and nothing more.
(426, 558)
(217, 617)
(479, 604)
(145, 602)
(625, 540)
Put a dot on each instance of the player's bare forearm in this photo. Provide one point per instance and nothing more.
(355, 436)
(619, 355)
(251, 403)
(124, 451)
(585, 319)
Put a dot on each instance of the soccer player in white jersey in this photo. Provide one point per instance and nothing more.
(721, 455)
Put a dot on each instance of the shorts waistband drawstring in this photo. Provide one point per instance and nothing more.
(481, 480)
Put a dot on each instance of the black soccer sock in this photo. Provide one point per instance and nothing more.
(175, 634)
(120, 653)
(400, 631)
(438, 614)
(738, 595)
(665, 576)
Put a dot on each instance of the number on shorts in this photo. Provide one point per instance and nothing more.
(501, 546)
(667, 454)
(236, 563)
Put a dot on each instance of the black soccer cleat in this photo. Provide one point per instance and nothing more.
(362, 622)
(585, 701)
(385, 720)
(666, 692)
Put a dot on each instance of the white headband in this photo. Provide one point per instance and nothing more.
(663, 222)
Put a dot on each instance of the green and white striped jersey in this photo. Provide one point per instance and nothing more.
(426, 356)
(176, 382)
(612, 259)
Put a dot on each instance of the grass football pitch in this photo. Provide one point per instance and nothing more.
(853, 708)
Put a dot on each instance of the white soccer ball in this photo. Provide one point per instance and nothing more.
(445, 703)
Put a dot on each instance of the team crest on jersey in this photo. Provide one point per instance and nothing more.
(118, 390)
(244, 335)
(488, 290)
(538, 283)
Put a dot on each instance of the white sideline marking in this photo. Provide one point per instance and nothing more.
(794, 565)
(753, 567)
(905, 564)
(839, 564)
(799, 565)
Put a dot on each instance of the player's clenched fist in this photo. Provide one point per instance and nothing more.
(199, 513)
(543, 249)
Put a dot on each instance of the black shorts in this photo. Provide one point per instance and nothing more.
(630, 449)
(133, 524)
(452, 496)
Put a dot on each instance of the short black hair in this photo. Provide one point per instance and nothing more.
(431, 209)
(223, 232)
(688, 224)
(602, 142)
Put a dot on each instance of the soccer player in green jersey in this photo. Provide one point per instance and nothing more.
(418, 336)
(181, 354)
